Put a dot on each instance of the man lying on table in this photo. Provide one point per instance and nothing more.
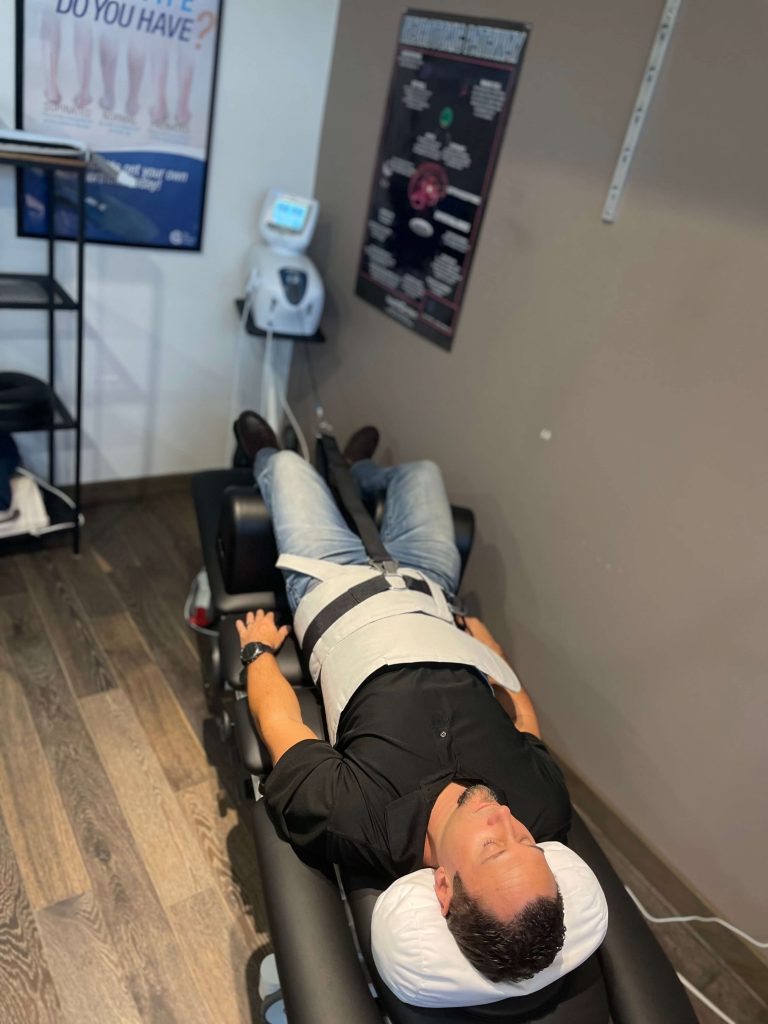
(435, 757)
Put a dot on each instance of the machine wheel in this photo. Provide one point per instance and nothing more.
(208, 651)
(225, 724)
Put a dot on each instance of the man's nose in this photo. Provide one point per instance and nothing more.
(499, 814)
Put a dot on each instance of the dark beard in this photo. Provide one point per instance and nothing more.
(472, 791)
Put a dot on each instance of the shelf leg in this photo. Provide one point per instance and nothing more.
(80, 331)
(50, 182)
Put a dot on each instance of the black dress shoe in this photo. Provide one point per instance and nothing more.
(253, 433)
(362, 444)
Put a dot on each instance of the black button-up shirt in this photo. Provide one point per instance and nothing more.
(405, 734)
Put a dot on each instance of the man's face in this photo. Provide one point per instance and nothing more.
(495, 854)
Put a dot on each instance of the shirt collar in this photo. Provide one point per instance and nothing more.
(408, 816)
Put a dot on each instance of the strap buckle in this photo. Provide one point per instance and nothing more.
(390, 570)
(457, 605)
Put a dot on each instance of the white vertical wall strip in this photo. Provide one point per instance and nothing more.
(640, 109)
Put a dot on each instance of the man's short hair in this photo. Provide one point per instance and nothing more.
(507, 950)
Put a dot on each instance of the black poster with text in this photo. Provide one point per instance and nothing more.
(449, 99)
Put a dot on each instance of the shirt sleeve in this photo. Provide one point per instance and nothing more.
(300, 794)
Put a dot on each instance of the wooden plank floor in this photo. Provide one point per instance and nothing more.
(128, 883)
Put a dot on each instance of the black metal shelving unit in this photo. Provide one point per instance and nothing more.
(43, 292)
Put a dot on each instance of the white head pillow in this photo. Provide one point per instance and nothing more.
(418, 958)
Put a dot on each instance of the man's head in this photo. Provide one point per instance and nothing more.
(496, 890)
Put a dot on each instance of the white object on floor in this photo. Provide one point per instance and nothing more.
(28, 503)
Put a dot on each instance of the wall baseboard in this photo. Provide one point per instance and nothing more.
(747, 965)
(131, 490)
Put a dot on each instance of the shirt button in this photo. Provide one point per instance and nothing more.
(443, 734)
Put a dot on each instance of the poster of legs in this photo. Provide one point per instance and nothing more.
(450, 95)
(134, 81)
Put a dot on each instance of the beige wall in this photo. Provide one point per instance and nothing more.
(624, 562)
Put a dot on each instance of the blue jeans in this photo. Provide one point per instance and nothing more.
(417, 529)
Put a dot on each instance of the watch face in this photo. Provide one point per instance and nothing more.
(252, 650)
(249, 651)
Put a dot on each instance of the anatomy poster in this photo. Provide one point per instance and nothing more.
(449, 99)
(134, 81)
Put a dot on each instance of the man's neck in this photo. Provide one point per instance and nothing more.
(441, 811)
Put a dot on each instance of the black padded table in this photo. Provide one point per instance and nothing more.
(324, 978)
(214, 518)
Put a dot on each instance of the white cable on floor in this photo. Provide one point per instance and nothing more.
(695, 917)
(684, 920)
(706, 920)
(707, 1002)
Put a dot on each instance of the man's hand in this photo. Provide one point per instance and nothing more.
(480, 632)
(517, 704)
(261, 628)
(271, 699)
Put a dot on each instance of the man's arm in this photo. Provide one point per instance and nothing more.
(517, 705)
(519, 708)
(271, 699)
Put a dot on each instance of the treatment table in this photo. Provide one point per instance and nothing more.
(320, 919)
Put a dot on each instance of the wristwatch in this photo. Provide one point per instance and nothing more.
(254, 650)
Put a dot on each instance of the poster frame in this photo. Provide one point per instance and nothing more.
(442, 340)
(19, 114)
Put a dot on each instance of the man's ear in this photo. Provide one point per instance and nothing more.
(443, 890)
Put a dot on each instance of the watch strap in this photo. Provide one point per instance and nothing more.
(253, 650)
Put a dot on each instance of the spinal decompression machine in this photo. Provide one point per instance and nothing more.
(315, 931)
(284, 289)
(284, 298)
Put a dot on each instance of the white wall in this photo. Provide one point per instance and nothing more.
(161, 326)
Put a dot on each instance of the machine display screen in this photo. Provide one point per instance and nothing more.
(289, 214)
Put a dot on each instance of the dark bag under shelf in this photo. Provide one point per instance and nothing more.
(25, 402)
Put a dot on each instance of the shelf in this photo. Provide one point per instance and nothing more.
(62, 420)
(313, 339)
(33, 291)
(47, 413)
(20, 158)
(62, 417)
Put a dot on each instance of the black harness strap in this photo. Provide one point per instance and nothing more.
(336, 470)
(347, 601)
(334, 467)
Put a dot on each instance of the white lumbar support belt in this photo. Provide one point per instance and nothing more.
(418, 958)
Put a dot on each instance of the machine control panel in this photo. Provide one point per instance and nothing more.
(294, 283)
